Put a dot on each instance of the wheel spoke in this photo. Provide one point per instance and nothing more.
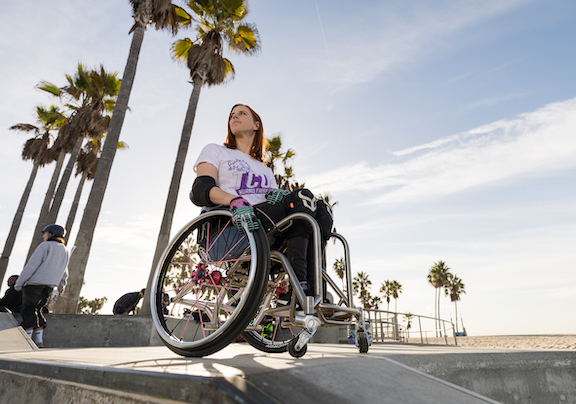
(202, 285)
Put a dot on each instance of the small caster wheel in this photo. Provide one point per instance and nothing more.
(292, 349)
(362, 342)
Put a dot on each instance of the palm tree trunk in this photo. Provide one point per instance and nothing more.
(11, 239)
(165, 227)
(41, 223)
(439, 321)
(436, 309)
(74, 207)
(59, 197)
(68, 302)
(456, 308)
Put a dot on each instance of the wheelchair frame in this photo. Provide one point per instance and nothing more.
(315, 307)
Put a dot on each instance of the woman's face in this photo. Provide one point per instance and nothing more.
(241, 121)
(45, 236)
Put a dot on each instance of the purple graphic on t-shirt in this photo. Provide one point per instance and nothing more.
(253, 184)
(238, 165)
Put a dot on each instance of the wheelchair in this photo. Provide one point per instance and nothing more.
(214, 284)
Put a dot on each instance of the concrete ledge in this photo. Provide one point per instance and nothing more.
(508, 377)
(91, 331)
(43, 382)
(87, 331)
(13, 388)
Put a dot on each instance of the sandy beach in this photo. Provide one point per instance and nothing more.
(554, 341)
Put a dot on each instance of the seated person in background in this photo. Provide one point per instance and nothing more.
(127, 303)
(12, 299)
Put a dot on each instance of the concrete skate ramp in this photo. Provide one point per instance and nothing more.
(327, 374)
(12, 337)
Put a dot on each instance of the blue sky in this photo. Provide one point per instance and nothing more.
(446, 130)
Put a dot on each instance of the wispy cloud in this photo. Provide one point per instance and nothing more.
(392, 38)
(533, 143)
(493, 100)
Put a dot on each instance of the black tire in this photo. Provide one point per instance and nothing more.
(270, 335)
(362, 342)
(292, 349)
(208, 284)
(277, 342)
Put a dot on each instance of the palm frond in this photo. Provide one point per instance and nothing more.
(181, 48)
(24, 127)
(184, 19)
(244, 39)
(49, 88)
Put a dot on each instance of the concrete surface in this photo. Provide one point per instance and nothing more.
(507, 375)
(85, 331)
(12, 336)
(328, 373)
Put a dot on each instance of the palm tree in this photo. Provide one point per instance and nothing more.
(93, 95)
(339, 267)
(437, 277)
(361, 285)
(327, 197)
(35, 149)
(386, 289)
(164, 15)
(219, 21)
(454, 287)
(374, 301)
(60, 152)
(85, 167)
(396, 288)
(90, 96)
(408, 318)
(391, 289)
(275, 154)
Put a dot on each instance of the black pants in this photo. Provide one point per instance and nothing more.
(34, 304)
(297, 237)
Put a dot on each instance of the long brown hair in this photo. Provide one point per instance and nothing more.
(56, 238)
(257, 149)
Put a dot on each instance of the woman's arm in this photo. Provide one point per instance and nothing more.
(217, 196)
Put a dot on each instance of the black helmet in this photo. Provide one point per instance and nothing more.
(56, 230)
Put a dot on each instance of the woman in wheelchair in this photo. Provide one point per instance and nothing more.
(234, 175)
(224, 272)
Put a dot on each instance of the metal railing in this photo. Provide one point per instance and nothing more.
(412, 328)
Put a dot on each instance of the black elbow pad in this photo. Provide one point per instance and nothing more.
(200, 194)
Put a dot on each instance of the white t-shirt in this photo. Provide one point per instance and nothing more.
(238, 173)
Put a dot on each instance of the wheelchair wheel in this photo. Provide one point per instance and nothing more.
(362, 342)
(273, 338)
(208, 284)
(292, 349)
(271, 335)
